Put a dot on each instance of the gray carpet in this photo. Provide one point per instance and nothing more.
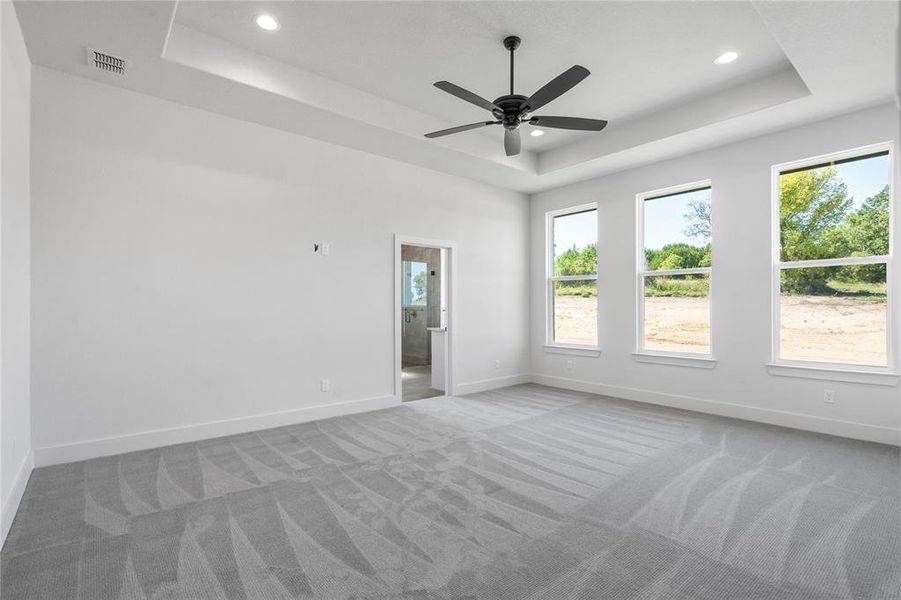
(525, 492)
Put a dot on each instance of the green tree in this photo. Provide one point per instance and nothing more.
(678, 256)
(672, 261)
(707, 259)
(577, 261)
(811, 203)
(865, 232)
(420, 285)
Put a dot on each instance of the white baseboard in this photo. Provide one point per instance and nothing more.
(849, 429)
(491, 384)
(11, 505)
(52, 455)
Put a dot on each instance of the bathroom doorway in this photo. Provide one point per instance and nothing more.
(422, 345)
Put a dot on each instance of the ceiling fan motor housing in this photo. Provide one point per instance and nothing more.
(511, 105)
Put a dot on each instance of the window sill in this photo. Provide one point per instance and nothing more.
(676, 360)
(572, 350)
(887, 378)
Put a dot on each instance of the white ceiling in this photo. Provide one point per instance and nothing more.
(359, 74)
(642, 55)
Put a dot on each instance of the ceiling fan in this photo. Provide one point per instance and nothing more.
(513, 110)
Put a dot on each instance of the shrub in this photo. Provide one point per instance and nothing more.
(678, 256)
(670, 287)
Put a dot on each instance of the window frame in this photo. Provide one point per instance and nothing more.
(550, 343)
(704, 359)
(779, 365)
(409, 289)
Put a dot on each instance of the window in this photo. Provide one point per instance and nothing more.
(572, 277)
(674, 265)
(831, 255)
(416, 283)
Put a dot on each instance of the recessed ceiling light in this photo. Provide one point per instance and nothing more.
(537, 132)
(726, 57)
(267, 22)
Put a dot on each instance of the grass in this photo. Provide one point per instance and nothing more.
(668, 287)
(585, 291)
(859, 290)
(659, 287)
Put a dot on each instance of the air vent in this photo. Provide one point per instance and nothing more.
(106, 62)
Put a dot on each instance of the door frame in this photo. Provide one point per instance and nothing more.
(450, 281)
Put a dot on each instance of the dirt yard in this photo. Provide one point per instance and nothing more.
(577, 320)
(677, 324)
(814, 328)
(843, 330)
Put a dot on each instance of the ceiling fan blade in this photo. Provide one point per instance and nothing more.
(463, 94)
(556, 87)
(444, 132)
(512, 142)
(577, 123)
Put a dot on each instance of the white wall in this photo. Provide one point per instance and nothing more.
(739, 385)
(174, 283)
(175, 295)
(15, 408)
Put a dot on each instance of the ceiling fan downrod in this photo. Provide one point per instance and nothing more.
(511, 43)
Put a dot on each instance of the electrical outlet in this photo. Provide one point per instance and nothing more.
(497, 364)
(569, 365)
(323, 385)
(317, 248)
(829, 396)
(326, 249)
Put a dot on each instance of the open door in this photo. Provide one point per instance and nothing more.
(422, 345)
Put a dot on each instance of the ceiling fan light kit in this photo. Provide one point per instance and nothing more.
(513, 110)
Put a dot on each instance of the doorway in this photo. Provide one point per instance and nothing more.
(422, 313)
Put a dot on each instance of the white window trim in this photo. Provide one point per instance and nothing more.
(877, 375)
(572, 350)
(670, 357)
(550, 345)
(676, 359)
(828, 372)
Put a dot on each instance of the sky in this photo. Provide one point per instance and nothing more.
(865, 178)
(664, 221)
(579, 230)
